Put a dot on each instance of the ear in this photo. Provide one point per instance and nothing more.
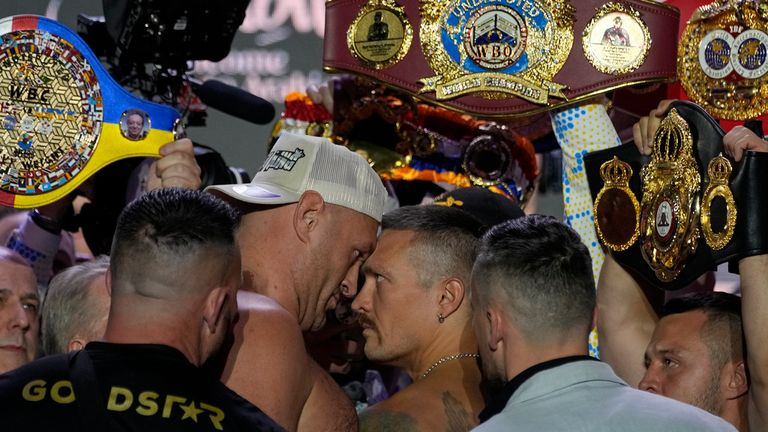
(76, 344)
(307, 214)
(213, 309)
(738, 383)
(451, 296)
(108, 281)
(495, 327)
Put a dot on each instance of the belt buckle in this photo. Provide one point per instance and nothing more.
(495, 49)
(669, 224)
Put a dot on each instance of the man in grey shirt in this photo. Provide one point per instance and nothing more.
(533, 299)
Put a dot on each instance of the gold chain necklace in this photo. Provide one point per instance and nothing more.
(446, 359)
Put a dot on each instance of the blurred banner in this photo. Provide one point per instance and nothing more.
(277, 50)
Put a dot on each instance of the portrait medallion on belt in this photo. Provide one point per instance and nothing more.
(722, 59)
(380, 36)
(669, 223)
(496, 49)
(616, 41)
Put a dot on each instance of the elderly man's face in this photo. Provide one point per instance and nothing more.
(19, 325)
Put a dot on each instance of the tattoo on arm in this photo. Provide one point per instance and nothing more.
(457, 417)
(386, 421)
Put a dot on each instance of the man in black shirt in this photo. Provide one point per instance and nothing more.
(174, 275)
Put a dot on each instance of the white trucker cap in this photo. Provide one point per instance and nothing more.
(298, 163)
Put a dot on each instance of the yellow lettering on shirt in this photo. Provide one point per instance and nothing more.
(148, 403)
(67, 397)
(217, 415)
(169, 400)
(34, 391)
(114, 404)
(121, 399)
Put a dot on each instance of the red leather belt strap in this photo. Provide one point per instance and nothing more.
(579, 76)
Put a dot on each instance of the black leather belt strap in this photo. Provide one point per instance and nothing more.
(747, 182)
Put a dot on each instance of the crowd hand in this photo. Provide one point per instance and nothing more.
(741, 139)
(644, 130)
(322, 94)
(176, 167)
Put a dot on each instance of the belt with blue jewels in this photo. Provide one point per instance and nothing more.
(502, 57)
(675, 215)
(723, 58)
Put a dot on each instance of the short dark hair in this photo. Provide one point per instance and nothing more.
(136, 111)
(446, 239)
(164, 232)
(722, 333)
(540, 272)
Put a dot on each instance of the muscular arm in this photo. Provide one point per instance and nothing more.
(625, 321)
(328, 407)
(754, 303)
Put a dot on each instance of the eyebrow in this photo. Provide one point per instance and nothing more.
(28, 296)
(368, 269)
(31, 296)
(665, 351)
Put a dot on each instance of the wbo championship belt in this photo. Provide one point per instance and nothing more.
(723, 58)
(676, 215)
(502, 57)
(62, 117)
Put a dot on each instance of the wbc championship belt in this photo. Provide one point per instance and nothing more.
(672, 217)
(502, 57)
(62, 116)
(723, 58)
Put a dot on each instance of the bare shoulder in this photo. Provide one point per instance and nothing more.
(382, 419)
(260, 306)
(425, 410)
(267, 363)
(266, 329)
(328, 407)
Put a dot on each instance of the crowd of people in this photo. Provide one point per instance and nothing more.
(471, 315)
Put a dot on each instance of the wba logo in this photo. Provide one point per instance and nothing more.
(282, 160)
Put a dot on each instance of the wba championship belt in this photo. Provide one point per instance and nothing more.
(697, 207)
(63, 117)
(723, 59)
(502, 57)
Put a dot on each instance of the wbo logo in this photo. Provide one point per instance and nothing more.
(495, 37)
(496, 48)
